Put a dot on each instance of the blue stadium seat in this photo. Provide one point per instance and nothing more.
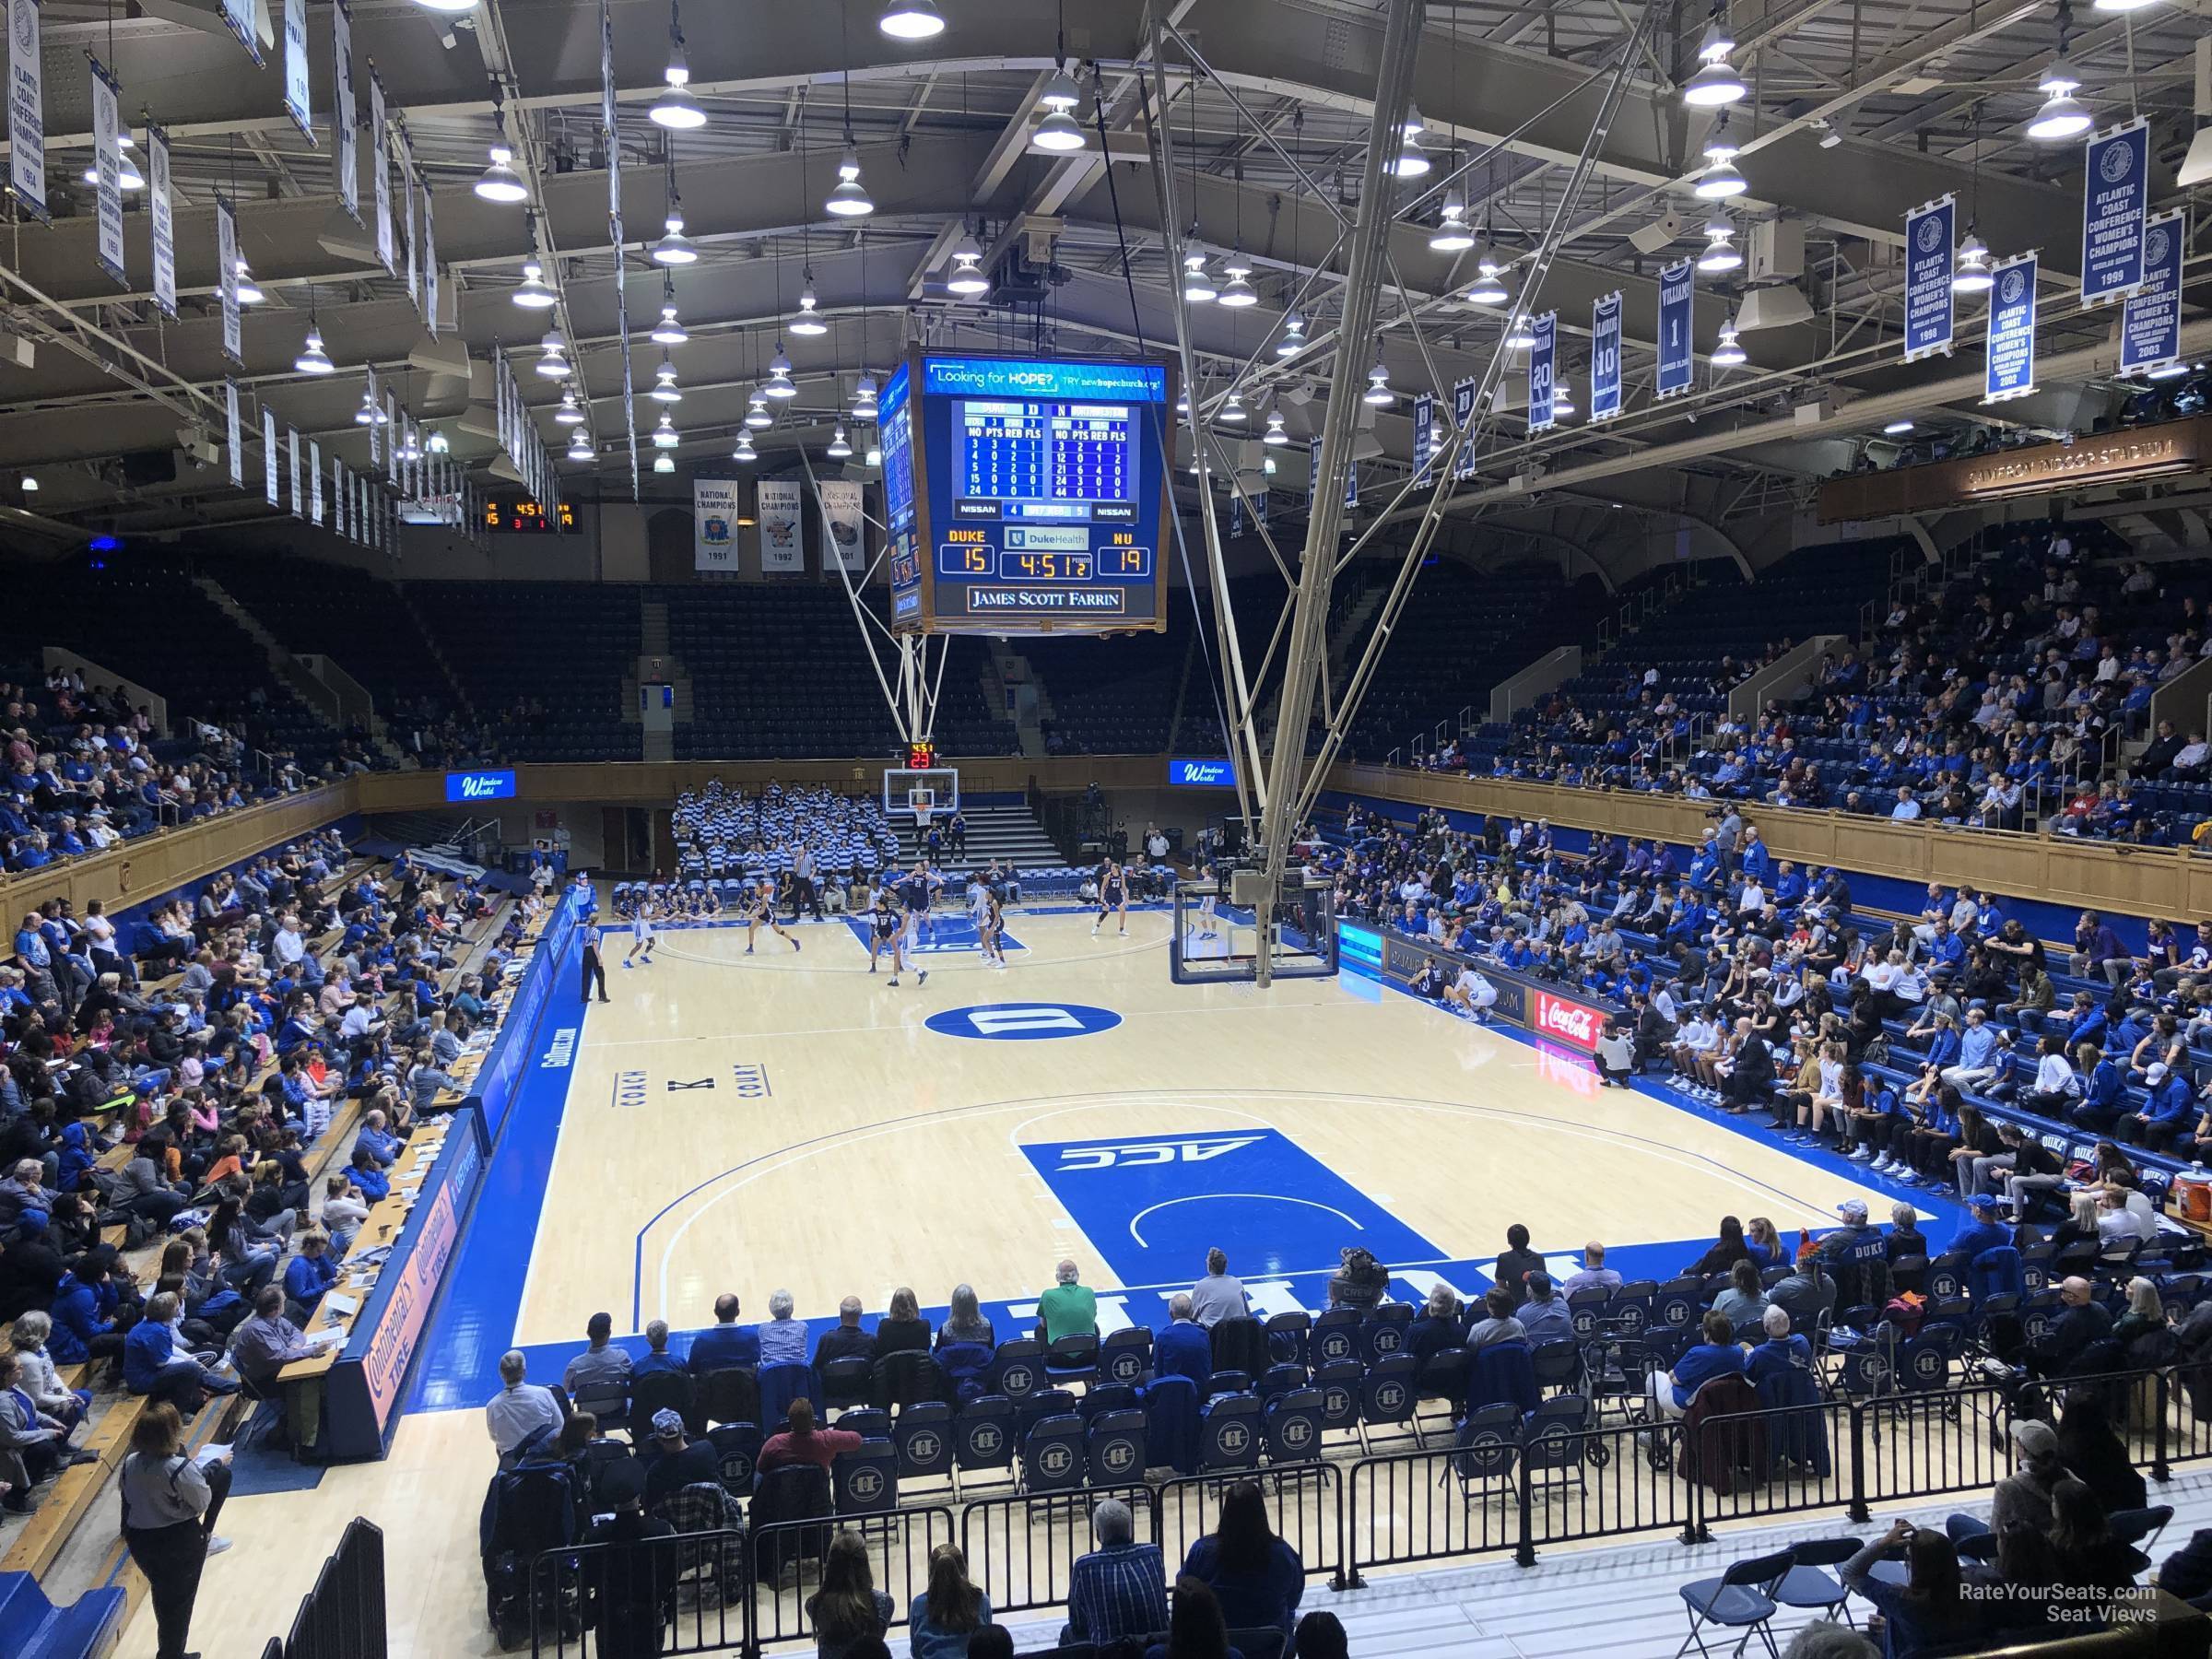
(1052, 1455)
(1230, 1433)
(1115, 1447)
(865, 1481)
(924, 1436)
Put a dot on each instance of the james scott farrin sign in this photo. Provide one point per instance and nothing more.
(1202, 775)
(479, 786)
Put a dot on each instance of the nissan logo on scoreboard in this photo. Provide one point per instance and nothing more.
(1574, 1023)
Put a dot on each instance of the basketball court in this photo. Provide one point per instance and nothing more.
(785, 1120)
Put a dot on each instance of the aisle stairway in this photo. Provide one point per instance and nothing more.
(1009, 834)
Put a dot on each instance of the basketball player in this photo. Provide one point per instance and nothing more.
(1209, 905)
(915, 893)
(989, 927)
(763, 909)
(1113, 898)
(642, 933)
(895, 929)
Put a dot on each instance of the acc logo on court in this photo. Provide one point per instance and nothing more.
(1151, 1152)
(1023, 1022)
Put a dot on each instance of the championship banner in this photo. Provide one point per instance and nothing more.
(1929, 252)
(376, 436)
(1312, 472)
(714, 525)
(2151, 319)
(1677, 290)
(231, 435)
(1463, 419)
(346, 119)
(781, 550)
(2116, 195)
(291, 435)
(1424, 438)
(315, 482)
(26, 107)
(2010, 369)
(107, 159)
(268, 454)
(1259, 507)
(161, 211)
(1542, 370)
(239, 14)
(845, 526)
(429, 264)
(297, 82)
(606, 120)
(226, 271)
(406, 158)
(391, 431)
(1351, 483)
(1605, 357)
(380, 168)
(337, 496)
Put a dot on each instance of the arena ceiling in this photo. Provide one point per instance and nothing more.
(1857, 110)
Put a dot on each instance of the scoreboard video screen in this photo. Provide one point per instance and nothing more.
(1027, 495)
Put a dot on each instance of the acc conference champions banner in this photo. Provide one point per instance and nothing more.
(1604, 355)
(1542, 370)
(714, 525)
(781, 548)
(2150, 322)
(1678, 290)
(844, 527)
(107, 169)
(26, 107)
(2115, 194)
(1928, 255)
(226, 266)
(2010, 369)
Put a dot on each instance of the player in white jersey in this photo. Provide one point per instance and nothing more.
(642, 935)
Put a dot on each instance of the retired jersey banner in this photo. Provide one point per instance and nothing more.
(314, 487)
(1424, 438)
(1543, 360)
(107, 164)
(268, 454)
(161, 211)
(346, 116)
(380, 167)
(2010, 370)
(781, 548)
(233, 436)
(1928, 255)
(714, 526)
(845, 526)
(226, 271)
(298, 82)
(1677, 291)
(26, 107)
(2115, 196)
(291, 438)
(239, 14)
(2150, 321)
(1604, 355)
(1463, 420)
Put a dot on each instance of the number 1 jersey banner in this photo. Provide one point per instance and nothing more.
(845, 526)
(1678, 290)
(2116, 195)
(1604, 355)
(1928, 255)
(2010, 370)
(714, 526)
(26, 107)
(2150, 322)
(781, 548)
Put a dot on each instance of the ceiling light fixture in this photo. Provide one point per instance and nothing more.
(1519, 335)
(778, 375)
(313, 358)
(249, 291)
(1715, 84)
(841, 447)
(447, 5)
(1451, 234)
(966, 279)
(1275, 437)
(849, 199)
(569, 414)
(499, 182)
(756, 411)
(1720, 178)
(676, 108)
(807, 322)
(1231, 409)
(1729, 353)
(440, 444)
(532, 294)
(1294, 336)
(1378, 390)
(665, 434)
(1720, 253)
(1238, 292)
(410, 444)
(1489, 285)
(673, 248)
(745, 450)
(2063, 115)
(664, 464)
(1971, 272)
(580, 447)
(669, 330)
(1197, 286)
(1562, 398)
(664, 389)
(911, 20)
(553, 365)
(367, 414)
(1897, 429)
(863, 399)
(1411, 162)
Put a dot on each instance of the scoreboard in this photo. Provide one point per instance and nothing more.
(1027, 495)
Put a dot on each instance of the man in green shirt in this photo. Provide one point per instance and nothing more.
(1068, 1309)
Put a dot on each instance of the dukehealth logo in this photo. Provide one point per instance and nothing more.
(479, 786)
(1569, 1021)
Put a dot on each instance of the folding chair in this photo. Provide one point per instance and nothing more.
(1230, 1433)
(983, 1438)
(865, 1481)
(1293, 1422)
(922, 1434)
(1115, 1446)
(1125, 1356)
(1335, 1338)
(1053, 1456)
(1810, 1586)
(1742, 1598)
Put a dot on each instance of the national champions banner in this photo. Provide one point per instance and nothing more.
(2150, 321)
(845, 526)
(1542, 359)
(781, 548)
(714, 526)
(1678, 290)
(2115, 196)
(1929, 251)
(1604, 355)
(2010, 369)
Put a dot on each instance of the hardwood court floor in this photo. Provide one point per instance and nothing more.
(846, 1147)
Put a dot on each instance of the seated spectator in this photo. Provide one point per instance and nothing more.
(1068, 1309)
(802, 1442)
(1119, 1589)
(2090, 1557)
(601, 1364)
(902, 1330)
(726, 1344)
(1782, 1349)
(1220, 1294)
(848, 1610)
(33, 1443)
(1320, 1636)
(2095, 1454)
(964, 1320)
(657, 1360)
(1728, 1249)
(307, 1274)
(1744, 1302)
(1437, 1327)
(2082, 1319)
(1256, 1577)
(1593, 1274)
(1544, 1315)
(157, 1363)
(1498, 1323)
(522, 1418)
(1716, 1356)
(2023, 1497)
(673, 1461)
(1195, 1628)
(944, 1617)
(844, 1340)
(782, 1339)
(1926, 1613)
(27, 1339)
(1183, 1349)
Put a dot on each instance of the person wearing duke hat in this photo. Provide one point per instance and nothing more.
(672, 1462)
(1858, 1256)
(1985, 1231)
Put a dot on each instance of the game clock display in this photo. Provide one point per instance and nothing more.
(1027, 495)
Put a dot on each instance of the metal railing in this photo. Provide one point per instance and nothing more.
(1510, 1490)
(343, 1615)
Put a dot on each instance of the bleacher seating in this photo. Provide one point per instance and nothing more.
(542, 662)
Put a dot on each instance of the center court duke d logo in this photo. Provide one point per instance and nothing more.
(1024, 1022)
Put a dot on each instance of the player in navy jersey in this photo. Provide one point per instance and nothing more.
(990, 927)
(1113, 898)
(915, 890)
(761, 908)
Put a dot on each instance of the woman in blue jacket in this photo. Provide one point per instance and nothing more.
(1255, 1576)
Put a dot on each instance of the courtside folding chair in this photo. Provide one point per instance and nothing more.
(1810, 1586)
(1742, 1598)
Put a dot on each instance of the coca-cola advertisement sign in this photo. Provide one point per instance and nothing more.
(1569, 1022)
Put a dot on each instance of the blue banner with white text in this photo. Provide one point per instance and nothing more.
(1604, 355)
(1542, 359)
(1678, 289)
(2150, 321)
(1928, 268)
(2115, 198)
(1424, 437)
(2010, 369)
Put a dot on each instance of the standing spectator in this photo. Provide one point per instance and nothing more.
(1183, 1349)
(171, 1503)
(1518, 1262)
(634, 1581)
(1119, 1589)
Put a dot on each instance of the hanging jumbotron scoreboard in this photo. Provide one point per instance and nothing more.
(1027, 495)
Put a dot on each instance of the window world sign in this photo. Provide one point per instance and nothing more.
(479, 786)
(1202, 775)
